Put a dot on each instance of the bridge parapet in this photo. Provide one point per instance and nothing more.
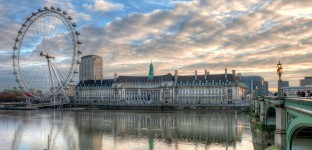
(276, 101)
(300, 104)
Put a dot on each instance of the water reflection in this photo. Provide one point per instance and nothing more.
(124, 130)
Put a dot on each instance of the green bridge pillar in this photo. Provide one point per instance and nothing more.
(280, 131)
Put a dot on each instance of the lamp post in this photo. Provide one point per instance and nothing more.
(279, 73)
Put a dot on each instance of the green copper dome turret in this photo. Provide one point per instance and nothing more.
(151, 72)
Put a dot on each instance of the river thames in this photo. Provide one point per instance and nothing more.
(125, 130)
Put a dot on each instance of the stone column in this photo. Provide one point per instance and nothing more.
(261, 100)
(160, 94)
(280, 131)
(173, 93)
(257, 106)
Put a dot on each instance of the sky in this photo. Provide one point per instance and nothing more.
(249, 36)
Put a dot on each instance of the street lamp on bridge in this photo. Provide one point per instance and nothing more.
(279, 73)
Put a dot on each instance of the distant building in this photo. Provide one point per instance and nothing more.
(12, 95)
(256, 84)
(91, 68)
(284, 84)
(306, 81)
(134, 90)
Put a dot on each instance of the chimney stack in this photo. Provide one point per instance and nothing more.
(176, 76)
(239, 75)
(225, 74)
(115, 77)
(233, 73)
(195, 74)
(205, 74)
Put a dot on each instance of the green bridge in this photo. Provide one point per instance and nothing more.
(292, 117)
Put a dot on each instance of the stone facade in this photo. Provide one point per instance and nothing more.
(164, 89)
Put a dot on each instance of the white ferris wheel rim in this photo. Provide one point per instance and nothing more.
(75, 52)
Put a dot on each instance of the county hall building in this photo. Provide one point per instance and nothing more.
(162, 89)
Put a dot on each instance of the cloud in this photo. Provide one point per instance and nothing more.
(103, 5)
(71, 9)
(250, 37)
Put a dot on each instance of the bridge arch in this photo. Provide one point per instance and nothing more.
(300, 137)
(270, 116)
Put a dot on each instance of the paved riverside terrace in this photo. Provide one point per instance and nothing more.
(121, 104)
(292, 117)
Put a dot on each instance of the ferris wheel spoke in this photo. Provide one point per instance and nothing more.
(31, 60)
(34, 73)
(28, 75)
(56, 31)
(51, 32)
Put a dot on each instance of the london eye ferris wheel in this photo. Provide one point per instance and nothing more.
(46, 55)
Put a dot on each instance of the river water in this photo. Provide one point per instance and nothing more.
(125, 130)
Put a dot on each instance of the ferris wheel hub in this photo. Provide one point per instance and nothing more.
(47, 55)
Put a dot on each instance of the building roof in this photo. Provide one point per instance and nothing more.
(163, 78)
(137, 79)
(104, 82)
(215, 77)
(86, 56)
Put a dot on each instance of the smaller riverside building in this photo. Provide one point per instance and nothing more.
(163, 89)
(256, 85)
